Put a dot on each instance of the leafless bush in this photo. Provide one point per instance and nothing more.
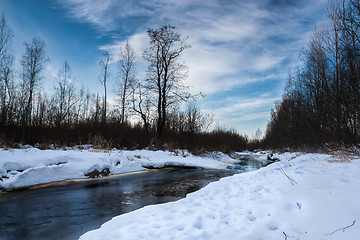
(98, 142)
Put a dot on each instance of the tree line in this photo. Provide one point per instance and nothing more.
(321, 103)
(148, 111)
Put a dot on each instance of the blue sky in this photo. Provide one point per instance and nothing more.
(241, 50)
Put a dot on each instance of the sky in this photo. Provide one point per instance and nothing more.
(241, 54)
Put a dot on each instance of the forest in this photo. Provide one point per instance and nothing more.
(147, 113)
(320, 104)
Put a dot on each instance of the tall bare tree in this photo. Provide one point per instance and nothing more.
(6, 69)
(350, 19)
(41, 105)
(32, 62)
(65, 95)
(126, 77)
(165, 72)
(104, 63)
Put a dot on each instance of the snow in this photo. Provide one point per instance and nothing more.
(304, 196)
(25, 167)
(322, 201)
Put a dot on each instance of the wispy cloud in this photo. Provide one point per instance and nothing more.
(241, 105)
(137, 41)
(244, 113)
(91, 11)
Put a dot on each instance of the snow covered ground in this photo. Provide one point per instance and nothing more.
(304, 196)
(30, 166)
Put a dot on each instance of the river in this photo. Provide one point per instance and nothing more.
(67, 212)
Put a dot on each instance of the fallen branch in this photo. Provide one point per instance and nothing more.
(343, 229)
(287, 236)
(292, 181)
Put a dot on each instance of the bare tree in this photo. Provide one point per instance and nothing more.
(196, 121)
(165, 72)
(6, 69)
(65, 95)
(335, 41)
(104, 63)
(32, 62)
(141, 104)
(126, 78)
(41, 105)
(86, 107)
(97, 111)
(80, 105)
(350, 22)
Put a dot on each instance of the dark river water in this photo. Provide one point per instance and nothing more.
(67, 212)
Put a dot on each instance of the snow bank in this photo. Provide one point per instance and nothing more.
(24, 167)
(304, 196)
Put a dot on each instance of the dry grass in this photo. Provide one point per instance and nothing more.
(178, 152)
(100, 144)
(341, 157)
(3, 145)
(198, 151)
(99, 150)
(292, 158)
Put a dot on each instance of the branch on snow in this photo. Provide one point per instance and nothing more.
(343, 229)
(292, 181)
(287, 236)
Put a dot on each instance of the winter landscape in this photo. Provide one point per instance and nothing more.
(301, 196)
(179, 119)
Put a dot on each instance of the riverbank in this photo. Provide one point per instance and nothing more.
(303, 196)
(69, 182)
(31, 167)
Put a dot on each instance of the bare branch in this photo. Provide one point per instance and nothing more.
(292, 181)
(343, 229)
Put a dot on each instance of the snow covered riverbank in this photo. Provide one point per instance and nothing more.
(304, 196)
(30, 166)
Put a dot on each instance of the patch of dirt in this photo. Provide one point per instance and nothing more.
(96, 174)
(57, 164)
(3, 177)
